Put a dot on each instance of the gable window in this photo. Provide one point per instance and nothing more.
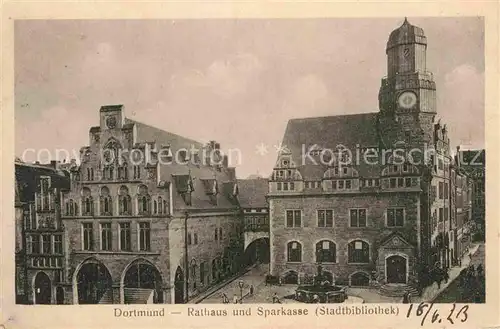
(326, 252)
(293, 218)
(106, 205)
(357, 218)
(106, 236)
(87, 203)
(358, 252)
(294, 249)
(395, 217)
(144, 201)
(137, 172)
(125, 201)
(88, 236)
(125, 239)
(325, 218)
(145, 236)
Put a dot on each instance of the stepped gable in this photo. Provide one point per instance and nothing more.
(252, 193)
(180, 174)
(351, 131)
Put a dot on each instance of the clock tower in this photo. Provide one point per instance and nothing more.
(407, 96)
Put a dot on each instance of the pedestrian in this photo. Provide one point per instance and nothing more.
(276, 300)
(251, 289)
(406, 298)
(235, 299)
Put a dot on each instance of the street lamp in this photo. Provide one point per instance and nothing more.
(240, 284)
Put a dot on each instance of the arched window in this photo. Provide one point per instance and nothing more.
(294, 251)
(71, 208)
(326, 252)
(194, 268)
(125, 201)
(106, 204)
(87, 203)
(155, 207)
(123, 171)
(160, 205)
(143, 200)
(358, 252)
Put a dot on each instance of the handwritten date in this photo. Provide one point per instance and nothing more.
(424, 309)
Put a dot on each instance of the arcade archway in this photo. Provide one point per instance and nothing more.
(257, 252)
(141, 281)
(93, 280)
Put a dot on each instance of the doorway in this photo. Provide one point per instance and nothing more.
(396, 269)
(43, 289)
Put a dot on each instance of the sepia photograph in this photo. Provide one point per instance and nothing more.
(224, 161)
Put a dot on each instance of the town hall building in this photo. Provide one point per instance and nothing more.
(363, 202)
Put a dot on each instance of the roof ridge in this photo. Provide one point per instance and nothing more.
(165, 131)
(334, 116)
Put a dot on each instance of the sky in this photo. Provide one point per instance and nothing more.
(234, 81)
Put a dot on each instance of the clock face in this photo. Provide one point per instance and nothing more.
(111, 122)
(407, 100)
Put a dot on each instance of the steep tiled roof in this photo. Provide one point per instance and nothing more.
(252, 193)
(351, 131)
(179, 174)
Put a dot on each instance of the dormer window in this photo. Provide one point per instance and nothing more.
(285, 162)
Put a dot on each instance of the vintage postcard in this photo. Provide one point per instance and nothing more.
(221, 165)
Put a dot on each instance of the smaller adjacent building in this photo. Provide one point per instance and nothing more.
(473, 162)
(39, 233)
(253, 202)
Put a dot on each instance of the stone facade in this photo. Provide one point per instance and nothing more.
(327, 167)
(126, 210)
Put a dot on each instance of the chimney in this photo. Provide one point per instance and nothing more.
(225, 161)
(217, 146)
(231, 172)
(212, 145)
(54, 164)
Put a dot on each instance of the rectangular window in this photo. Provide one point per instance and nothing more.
(279, 186)
(46, 244)
(405, 167)
(445, 215)
(293, 218)
(195, 235)
(35, 244)
(125, 239)
(325, 218)
(341, 184)
(220, 233)
(395, 217)
(441, 195)
(58, 244)
(216, 234)
(357, 218)
(306, 184)
(88, 236)
(334, 185)
(445, 192)
(393, 182)
(145, 236)
(400, 182)
(190, 239)
(408, 182)
(106, 236)
(441, 214)
(440, 164)
(348, 184)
